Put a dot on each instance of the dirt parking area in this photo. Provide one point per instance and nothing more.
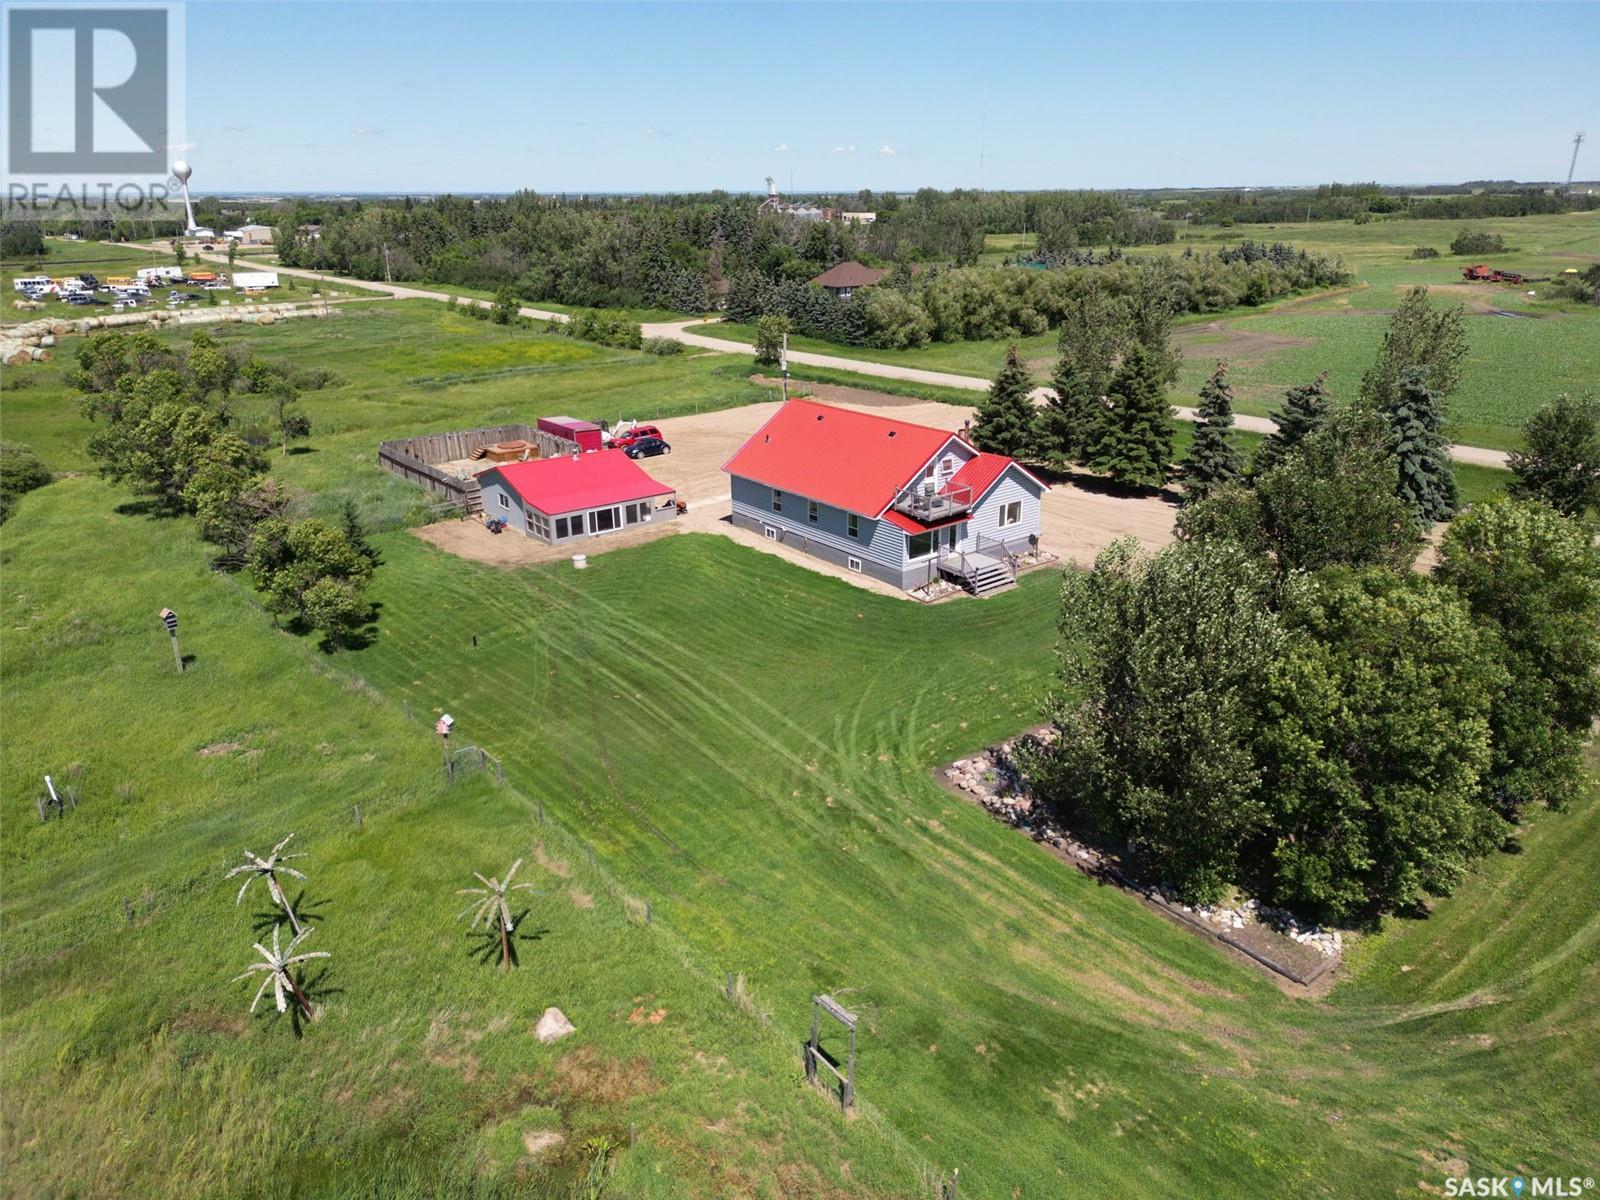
(1077, 523)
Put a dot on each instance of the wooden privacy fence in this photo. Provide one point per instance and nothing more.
(412, 458)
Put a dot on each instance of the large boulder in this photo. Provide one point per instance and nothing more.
(553, 1026)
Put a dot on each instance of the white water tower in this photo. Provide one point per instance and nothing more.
(181, 171)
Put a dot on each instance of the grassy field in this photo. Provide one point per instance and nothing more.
(1514, 363)
(405, 368)
(748, 747)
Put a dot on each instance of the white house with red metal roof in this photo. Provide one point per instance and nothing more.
(576, 496)
(901, 502)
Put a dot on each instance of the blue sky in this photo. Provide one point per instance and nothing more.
(674, 96)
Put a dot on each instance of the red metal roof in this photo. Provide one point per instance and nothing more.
(573, 482)
(912, 525)
(852, 460)
(981, 474)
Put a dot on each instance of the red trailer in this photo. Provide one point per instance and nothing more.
(585, 433)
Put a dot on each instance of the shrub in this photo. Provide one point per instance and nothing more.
(21, 471)
(662, 346)
(1477, 241)
(1424, 252)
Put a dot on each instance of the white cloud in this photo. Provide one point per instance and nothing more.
(658, 133)
(368, 131)
(886, 150)
(842, 150)
(783, 148)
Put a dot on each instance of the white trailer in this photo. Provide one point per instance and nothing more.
(149, 275)
(255, 279)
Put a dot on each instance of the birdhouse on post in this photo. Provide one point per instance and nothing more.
(170, 620)
(442, 727)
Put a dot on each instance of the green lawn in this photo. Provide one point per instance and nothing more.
(748, 747)
(132, 1066)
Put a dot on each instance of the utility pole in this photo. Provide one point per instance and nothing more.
(1577, 140)
(783, 367)
(388, 275)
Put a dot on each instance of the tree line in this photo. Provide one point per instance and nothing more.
(175, 427)
(910, 308)
(1279, 702)
(1343, 202)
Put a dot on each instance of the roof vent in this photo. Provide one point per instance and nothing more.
(819, 416)
(891, 433)
(766, 439)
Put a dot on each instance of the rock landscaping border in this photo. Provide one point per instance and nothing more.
(1270, 938)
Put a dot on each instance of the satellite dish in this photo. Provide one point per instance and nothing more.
(181, 171)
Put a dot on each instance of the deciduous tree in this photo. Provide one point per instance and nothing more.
(1156, 704)
(1533, 577)
(1375, 742)
(1419, 336)
(1561, 465)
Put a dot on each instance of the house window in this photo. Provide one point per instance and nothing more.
(505, 501)
(853, 563)
(605, 519)
(1011, 514)
(577, 523)
(561, 527)
(852, 525)
(811, 511)
(919, 545)
(777, 500)
(772, 534)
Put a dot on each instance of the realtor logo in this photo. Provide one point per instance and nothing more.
(90, 90)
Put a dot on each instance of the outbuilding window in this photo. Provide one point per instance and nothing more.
(1011, 514)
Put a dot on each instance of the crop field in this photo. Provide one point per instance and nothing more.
(748, 747)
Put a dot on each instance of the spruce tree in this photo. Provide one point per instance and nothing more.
(1070, 423)
(1007, 421)
(1136, 443)
(1304, 411)
(1094, 327)
(1213, 458)
(1416, 415)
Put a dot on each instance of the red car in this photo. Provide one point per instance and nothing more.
(621, 441)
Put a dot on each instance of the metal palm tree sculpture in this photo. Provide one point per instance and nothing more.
(275, 964)
(269, 868)
(491, 908)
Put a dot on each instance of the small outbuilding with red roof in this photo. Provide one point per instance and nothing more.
(575, 496)
(902, 502)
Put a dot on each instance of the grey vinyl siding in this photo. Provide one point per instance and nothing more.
(881, 546)
(1013, 485)
(494, 492)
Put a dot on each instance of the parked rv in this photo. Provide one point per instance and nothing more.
(245, 280)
